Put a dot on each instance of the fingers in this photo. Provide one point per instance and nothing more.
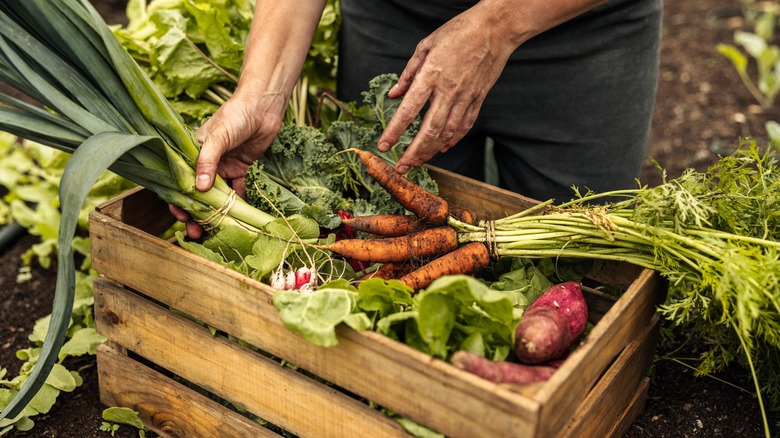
(239, 185)
(193, 229)
(442, 127)
(178, 213)
(407, 111)
(407, 76)
(214, 145)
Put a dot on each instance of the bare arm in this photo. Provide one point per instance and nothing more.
(243, 128)
(456, 66)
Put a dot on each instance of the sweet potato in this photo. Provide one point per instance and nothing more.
(501, 371)
(551, 324)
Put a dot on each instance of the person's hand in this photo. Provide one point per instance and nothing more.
(235, 136)
(231, 140)
(453, 69)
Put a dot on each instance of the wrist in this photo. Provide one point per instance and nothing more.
(516, 21)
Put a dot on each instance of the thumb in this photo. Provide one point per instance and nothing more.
(208, 161)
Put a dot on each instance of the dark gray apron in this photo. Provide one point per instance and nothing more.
(572, 107)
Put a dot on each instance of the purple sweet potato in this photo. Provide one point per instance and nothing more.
(501, 371)
(551, 324)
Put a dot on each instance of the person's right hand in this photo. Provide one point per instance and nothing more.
(236, 135)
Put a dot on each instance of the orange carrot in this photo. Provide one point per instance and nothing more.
(389, 271)
(387, 225)
(464, 215)
(422, 203)
(467, 259)
(425, 243)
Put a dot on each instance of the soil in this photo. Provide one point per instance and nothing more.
(702, 110)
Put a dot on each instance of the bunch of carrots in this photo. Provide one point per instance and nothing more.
(401, 242)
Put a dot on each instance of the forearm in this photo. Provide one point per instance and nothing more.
(280, 37)
(520, 20)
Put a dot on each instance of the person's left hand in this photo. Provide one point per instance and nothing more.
(453, 69)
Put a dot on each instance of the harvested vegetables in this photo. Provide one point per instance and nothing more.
(551, 324)
(714, 235)
(97, 104)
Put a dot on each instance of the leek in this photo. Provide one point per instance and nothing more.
(94, 102)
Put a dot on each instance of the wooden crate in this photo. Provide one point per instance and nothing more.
(152, 292)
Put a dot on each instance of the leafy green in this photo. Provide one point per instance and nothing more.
(304, 172)
(455, 312)
(299, 170)
(193, 49)
(316, 315)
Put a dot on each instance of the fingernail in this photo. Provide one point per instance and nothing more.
(203, 182)
(384, 146)
(403, 168)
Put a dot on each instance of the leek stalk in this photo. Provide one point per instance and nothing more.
(96, 103)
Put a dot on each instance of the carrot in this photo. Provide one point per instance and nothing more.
(501, 371)
(424, 204)
(467, 259)
(387, 225)
(551, 324)
(389, 271)
(464, 215)
(425, 243)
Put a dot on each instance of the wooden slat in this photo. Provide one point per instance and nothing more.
(252, 381)
(634, 408)
(166, 407)
(566, 389)
(139, 208)
(366, 363)
(488, 201)
(613, 394)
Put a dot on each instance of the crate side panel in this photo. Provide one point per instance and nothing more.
(167, 407)
(568, 387)
(365, 363)
(489, 202)
(612, 394)
(632, 411)
(262, 386)
(139, 208)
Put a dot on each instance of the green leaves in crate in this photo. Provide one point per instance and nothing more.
(455, 312)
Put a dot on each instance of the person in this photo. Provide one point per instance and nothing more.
(564, 89)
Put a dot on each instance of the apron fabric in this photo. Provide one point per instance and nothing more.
(572, 107)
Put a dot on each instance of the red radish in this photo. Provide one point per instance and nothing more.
(303, 277)
(501, 371)
(551, 324)
(345, 231)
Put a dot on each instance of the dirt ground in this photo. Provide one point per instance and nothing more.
(702, 109)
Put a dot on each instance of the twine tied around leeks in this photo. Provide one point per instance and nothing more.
(214, 220)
